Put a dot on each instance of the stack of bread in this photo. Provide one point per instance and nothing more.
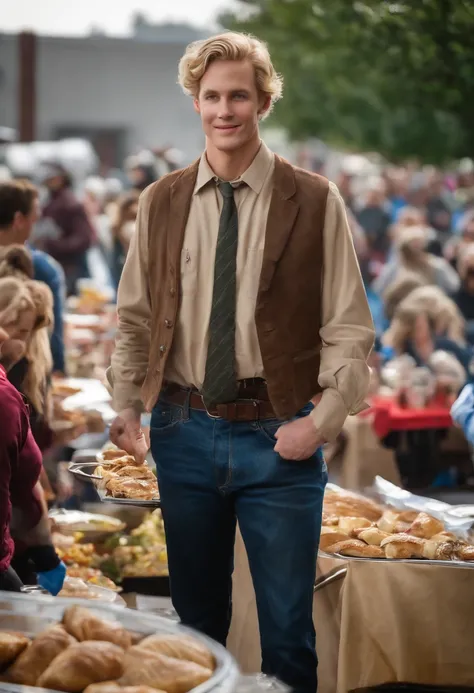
(358, 527)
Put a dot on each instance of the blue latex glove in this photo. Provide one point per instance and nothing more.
(52, 580)
(462, 412)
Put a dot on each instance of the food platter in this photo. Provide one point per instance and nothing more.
(32, 614)
(138, 503)
(410, 561)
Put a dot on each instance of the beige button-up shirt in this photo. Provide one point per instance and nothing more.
(347, 330)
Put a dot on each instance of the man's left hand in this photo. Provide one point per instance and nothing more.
(298, 440)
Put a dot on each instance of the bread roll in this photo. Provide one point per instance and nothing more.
(333, 536)
(372, 535)
(403, 546)
(356, 549)
(388, 520)
(425, 526)
(347, 524)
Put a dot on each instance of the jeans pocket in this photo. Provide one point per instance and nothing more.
(268, 428)
(165, 416)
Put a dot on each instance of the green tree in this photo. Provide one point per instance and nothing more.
(394, 77)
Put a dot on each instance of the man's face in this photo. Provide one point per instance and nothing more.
(229, 104)
(23, 223)
(54, 183)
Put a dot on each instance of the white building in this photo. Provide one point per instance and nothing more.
(119, 93)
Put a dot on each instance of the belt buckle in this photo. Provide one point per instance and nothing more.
(211, 416)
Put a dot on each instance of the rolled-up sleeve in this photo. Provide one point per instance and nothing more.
(130, 359)
(347, 331)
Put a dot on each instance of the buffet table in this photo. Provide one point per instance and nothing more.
(383, 622)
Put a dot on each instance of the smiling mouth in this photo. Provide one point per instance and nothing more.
(227, 127)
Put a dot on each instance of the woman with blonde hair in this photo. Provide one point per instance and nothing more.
(412, 256)
(427, 321)
(31, 374)
(23, 511)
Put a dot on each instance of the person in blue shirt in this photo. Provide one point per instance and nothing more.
(462, 412)
(19, 210)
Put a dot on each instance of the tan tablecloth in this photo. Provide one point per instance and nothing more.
(385, 622)
(406, 622)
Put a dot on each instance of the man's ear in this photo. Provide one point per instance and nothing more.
(196, 105)
(266, 103)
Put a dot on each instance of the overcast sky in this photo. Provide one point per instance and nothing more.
(72, 18)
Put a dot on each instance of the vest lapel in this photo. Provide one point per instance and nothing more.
(281, 218)
(181, 192)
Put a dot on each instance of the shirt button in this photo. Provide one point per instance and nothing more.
(168, 323)
(163, 348)
(172, 291)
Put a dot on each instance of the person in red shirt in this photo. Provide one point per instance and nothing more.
(23, 512)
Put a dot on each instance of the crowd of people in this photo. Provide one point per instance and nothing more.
(413, 230)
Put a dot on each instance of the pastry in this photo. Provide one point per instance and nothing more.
(83, 664)
(159, 671)
(347, 524)
(330, 520)
(85, 625)
(388, 520)
(345, 504)
(33, 661)
(356, 549)
(465, 553)
(443, 537)
(180, 647)
(408, 516)
(115, 687)
(142, 489)
(372, 535)
(425, 526)
(113, 454)
(11, 645)
(439, 551)
(330, 537)
(403, 546)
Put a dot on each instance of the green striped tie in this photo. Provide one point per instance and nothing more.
(220, 382)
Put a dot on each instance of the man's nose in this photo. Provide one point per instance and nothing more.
(225, 109)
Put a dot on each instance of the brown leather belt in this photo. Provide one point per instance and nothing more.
(253, 403)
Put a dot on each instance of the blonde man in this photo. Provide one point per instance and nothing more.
(240, 302)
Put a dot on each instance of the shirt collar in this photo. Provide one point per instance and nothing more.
(254, 176)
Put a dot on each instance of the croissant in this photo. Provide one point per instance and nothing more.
(356, 549)
(115, 687)
(85, 625)
(180, 647)
(347, 524)
(330, 537)
(83, 664)
(33, 661)
(11, 645)
(403, 546)
(347, 505)
(372, 535)
(159, 671)
(425, 526)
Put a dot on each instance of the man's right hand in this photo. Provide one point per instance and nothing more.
(126, 434)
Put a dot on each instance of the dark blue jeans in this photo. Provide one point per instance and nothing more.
(213, 473)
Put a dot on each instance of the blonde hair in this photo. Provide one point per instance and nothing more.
(15, 261)
(17, 296)
(440, 310)
(464, 260)
(230, 46)
(15, 299)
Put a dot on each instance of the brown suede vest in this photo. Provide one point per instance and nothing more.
(288, 308)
